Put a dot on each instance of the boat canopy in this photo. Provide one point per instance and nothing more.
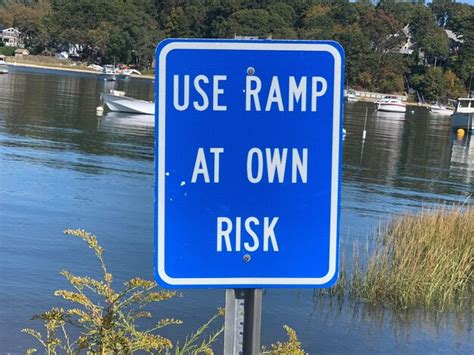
(465, 104)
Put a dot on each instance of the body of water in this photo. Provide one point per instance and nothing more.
(62, 167)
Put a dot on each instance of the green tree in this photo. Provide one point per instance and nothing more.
(284, 11)
(441, 9)
(431, 83)
(106, 30)
(255, 22)
(383, 30)
(429, 38)
(186, 21)
(317, 23)
(461, 21)
(371, 32)
(454, 85)
(404, 12)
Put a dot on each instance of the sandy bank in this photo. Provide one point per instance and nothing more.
(86, 70)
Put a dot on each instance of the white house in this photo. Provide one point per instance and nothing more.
(11, 36)
(455, 41)
(407, 47)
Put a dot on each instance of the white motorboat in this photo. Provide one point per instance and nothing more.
(391, 104)
(108, 73)
(440, 110)
(127, 73)
(351, 97)
(464, 114)
(117, 101)
(3, 65)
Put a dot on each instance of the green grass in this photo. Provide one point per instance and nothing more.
(424, 260)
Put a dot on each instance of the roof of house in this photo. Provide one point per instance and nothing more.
(454, 37)
(2, 28)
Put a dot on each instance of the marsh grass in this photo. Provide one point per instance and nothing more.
(418, 260)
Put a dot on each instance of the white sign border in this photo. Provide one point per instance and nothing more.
(161, 105)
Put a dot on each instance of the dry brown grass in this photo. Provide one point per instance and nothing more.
(49, 62)
(425, 260)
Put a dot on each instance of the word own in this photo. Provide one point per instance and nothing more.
(266, 164)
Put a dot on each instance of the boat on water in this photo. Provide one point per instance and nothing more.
(3, 65)
(464, 114)
(440, 110)
(351, 97)
(391, 104)
(118, 102)
(108, 73)
(127, 73)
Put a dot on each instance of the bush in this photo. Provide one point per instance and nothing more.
(8, 51)
(108, 318)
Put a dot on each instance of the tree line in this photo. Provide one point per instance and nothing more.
(371, 33)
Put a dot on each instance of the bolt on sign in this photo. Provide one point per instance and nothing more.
(247, 163)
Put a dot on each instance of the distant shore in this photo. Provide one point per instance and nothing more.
(68, 68)
(83, 69)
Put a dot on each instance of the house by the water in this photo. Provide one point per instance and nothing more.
(10, 36)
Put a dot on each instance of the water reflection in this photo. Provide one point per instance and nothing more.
(408, 158)
(391, 115)
(462, 156)
(403, 323)
(118, 121)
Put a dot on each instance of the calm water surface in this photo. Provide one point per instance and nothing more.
(61, 167)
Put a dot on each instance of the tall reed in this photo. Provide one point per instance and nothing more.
(425, 259)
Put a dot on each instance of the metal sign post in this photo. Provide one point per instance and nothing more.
(243, 319)
(248, 139)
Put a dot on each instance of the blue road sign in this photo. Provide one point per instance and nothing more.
(247, 163)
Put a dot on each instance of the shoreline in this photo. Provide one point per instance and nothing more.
(68, 69)
(151, 77)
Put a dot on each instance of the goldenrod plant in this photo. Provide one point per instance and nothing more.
(107, 319)
(292, 346)
(192, 345)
